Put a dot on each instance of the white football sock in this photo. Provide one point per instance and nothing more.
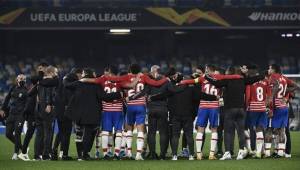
(248, 142)
(98, 142)
(259, 141)
(213, 143)
(145, 142)
(268, 149)
(281, 149)
(118, 141)
(105, 142)
(129, 142)
(123, 143)
(139, 143)
(110, 143)
(199, 141)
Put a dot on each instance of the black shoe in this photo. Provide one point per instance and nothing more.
(278, 156)
(66, 158)
(220, 154)
(162, 157)
(54, 157)
(86, 157)
(116, 157)
(106, 157)
(154, 156)
(46, 157)
(274, 155)
(37, 158)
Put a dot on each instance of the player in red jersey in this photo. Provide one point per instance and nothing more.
(280, 113)
(257, 99)
(136, 109)
(208, 111)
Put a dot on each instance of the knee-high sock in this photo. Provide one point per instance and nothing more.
(248, 141)
(105, 137)
(123, 143)
(275, 142)
(145, 142)
(213, 142)
(110, 142)
(118, 141)
(139, 143)
(98, 142)
(129, 143)
(259, 141)
(199, 141)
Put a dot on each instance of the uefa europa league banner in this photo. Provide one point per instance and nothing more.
(150, 18)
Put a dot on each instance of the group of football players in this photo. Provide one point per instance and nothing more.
(266, 108)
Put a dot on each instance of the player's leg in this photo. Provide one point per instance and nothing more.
(240, 122)
(79, 140)
(220, 133)
(106, 129)
(38, 142)
(118, 124)
(140, 125)
(188, 131)
(28, 136)
(261, 124)
(10, 128)
(175, 135)
(130, 121)
(110, 143)
(152, 128)
(17, 134)
(281, 117)
(214, 122)
(268, 141)
(249, 118)
(163, 127)
(201, 123)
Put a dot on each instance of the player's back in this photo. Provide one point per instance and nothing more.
(258, 96)
(136, 89)
(116, 105)
(208, 88)
(283, 83)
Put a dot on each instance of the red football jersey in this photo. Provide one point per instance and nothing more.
(284, 82)
(208, 88)
(116, 105)
(144, 79)
(256, 95)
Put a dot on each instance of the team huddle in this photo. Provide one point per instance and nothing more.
(109, 108)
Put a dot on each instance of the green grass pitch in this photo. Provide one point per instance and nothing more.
(6, 163)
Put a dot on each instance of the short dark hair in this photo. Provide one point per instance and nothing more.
(252, 66)
(276, 68)
(134, 68)
(43, 64)
(113, 69)
(89, 73)
(171, 72)
(221, 70)
(200, 67)
(211, 67)
(76, 70)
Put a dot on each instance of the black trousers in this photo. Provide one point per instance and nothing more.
(66, 131)
(14, 126)
(58, 136)
(288, 139)
(158, 120)
(31, 124)
(220, 131)
(185, 123)
(234, 118)
(43, 139)
(79, 131)
(89, 135)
